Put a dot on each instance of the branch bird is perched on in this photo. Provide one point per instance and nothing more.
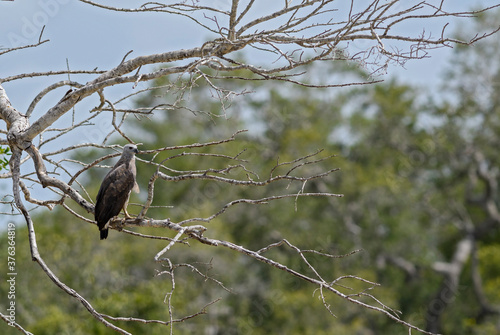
(115, 189)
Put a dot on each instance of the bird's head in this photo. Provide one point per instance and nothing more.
(130, 149)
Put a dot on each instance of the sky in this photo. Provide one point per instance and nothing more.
(89, 37)
(85, 37)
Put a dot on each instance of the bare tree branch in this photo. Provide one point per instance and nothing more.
(289, 36)
(15, 324)
(35, 255)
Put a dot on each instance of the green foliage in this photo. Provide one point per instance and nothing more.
(4, 160)
(406, 178)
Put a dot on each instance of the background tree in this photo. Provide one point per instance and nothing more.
(297, 35)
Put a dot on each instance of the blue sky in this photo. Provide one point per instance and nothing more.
(88, 37)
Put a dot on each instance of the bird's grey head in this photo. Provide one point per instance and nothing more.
(130, 150)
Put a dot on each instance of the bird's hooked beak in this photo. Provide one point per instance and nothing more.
(136, 150)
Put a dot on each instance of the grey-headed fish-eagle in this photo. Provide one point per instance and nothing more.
(115, 189)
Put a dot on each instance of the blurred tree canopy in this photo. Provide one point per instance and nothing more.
(420, 179)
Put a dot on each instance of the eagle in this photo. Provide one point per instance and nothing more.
(115, 189)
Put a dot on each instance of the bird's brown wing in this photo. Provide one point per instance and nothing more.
(113, 194)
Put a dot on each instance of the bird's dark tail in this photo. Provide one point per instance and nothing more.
(104, 234)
